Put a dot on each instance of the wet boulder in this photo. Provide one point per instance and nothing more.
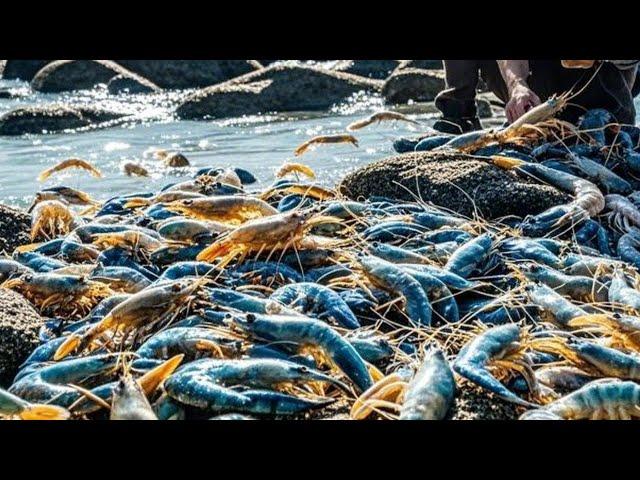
(279, 88)
(131, 83)
(19, 325)
(413, 84)
(15, 226)
(177, 74)
(226, 100)
(454, 181)
(53, 118)
(21, 69)
(379, 69)
(66, 75)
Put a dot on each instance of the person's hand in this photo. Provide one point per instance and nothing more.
(522, 99)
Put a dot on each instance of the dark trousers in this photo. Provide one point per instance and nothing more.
(611, 89)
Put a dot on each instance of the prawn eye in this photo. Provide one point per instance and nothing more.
(175, 288)
(187, 202)
(303, 369)
(250, 318)
(27, 278)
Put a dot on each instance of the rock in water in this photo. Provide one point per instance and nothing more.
(15, 227)
(175, 74)
(65, 75)
(279, 88)
(131, 83)
(379, 69)
(413, 84)
(22, 69)
(454, 181)
(52, 118)
(224, 101)
(19, 325)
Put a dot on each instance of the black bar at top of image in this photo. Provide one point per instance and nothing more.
(322, 31)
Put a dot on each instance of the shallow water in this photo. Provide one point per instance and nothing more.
(257, 143)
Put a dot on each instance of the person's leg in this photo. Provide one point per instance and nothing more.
(492, 76)
(457, 101)
(630, 76)
(614, 84)
(608, 89)
(635, 84)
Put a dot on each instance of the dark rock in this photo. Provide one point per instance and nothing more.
(19, 325)
(224, 101)
(308, 73)
(454, 181)
(175, 74)
(422, 64)
(379, 69)
(278, 88)
(22, 69)
(15, 226)
(52, 118)
(176, 159)
(413, 84)
(65, 75)
(131, 83)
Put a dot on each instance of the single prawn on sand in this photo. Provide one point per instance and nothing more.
(70, 163)
(339, 138)
(379, 117)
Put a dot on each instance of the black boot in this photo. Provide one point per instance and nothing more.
(456, 126)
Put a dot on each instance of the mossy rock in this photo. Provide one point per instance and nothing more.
(19, 325)
(15, 227)
(278, 88)
(455, 181)
(51, 118)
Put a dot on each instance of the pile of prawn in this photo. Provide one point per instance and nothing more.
(213, 299)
